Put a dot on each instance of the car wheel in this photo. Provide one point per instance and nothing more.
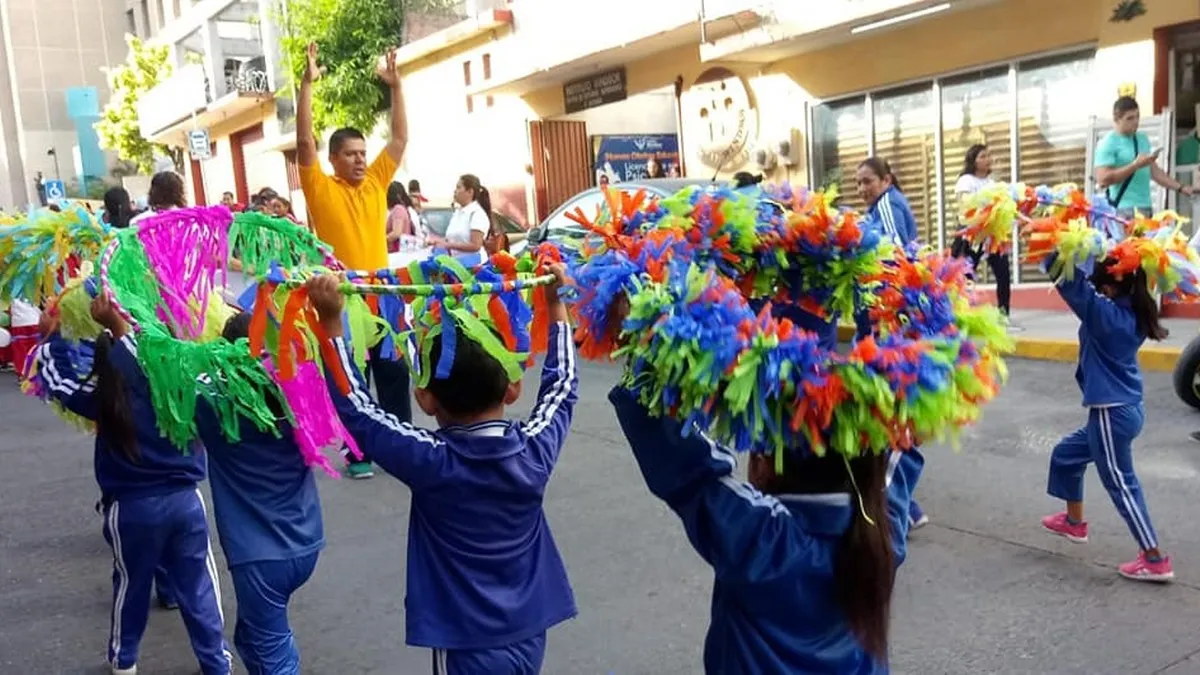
(1187, 374)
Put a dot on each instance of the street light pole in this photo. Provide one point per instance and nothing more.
(57, 174)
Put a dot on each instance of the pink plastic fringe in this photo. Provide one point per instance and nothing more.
(186, 249)
(318, 430)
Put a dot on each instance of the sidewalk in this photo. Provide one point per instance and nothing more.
(1051, 335)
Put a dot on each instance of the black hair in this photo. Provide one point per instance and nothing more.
(227, 193)
(55, 208)
(238, 328)
(117, 207)
(477, 382)
(114, 419)
(880, 167)
(396, 195)
(864, 562)
(166, 191)
(973, 154)
(1135, 287)
(339, 138)
(1123, 105)
(482, 196)
(743, 179)
(661, 171)
(414, 186)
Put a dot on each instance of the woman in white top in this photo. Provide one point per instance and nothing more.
(471, 222)
(976, 175)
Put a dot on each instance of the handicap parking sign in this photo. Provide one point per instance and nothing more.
(55, 190)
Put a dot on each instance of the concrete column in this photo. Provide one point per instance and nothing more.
(214, 59)
(269, 32)
(15, 192)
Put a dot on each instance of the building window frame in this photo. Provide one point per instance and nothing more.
(935, 82)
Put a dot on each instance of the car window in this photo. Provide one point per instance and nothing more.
(437, 220)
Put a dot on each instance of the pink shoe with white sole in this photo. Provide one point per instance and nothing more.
(1144, 569)
(1058, 524)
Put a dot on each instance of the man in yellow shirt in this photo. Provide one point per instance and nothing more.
(348, 210)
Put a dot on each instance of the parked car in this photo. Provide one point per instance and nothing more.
(560, 229)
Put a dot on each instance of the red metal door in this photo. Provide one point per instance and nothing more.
(562, 162)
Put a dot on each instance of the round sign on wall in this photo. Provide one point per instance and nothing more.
(721, 123)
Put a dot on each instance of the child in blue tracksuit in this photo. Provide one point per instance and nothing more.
(803, 578)
(887, 209)
(153, 511)
(485, 579)
(1116, 316)
(268, 518)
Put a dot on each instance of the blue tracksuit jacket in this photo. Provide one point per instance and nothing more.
(773, 609)
(1109, 340)
(162, 468)
(892, 212)
(483, 568)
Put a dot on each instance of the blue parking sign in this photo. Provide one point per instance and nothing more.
(55, 190)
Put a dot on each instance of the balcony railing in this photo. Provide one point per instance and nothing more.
(249, 81)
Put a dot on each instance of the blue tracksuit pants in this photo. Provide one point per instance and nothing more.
(1107, 440)
(263, 637)
(171, 531)
(521, 658)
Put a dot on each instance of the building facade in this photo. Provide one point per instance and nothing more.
(797, 91)
(52, 86)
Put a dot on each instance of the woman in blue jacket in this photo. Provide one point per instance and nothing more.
(887, 209)
(153, 511)
(1116, 316)
(804, 572)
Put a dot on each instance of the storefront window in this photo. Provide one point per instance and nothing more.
(839, 141)
(904, 135)
(1053, 117)
(976, 108)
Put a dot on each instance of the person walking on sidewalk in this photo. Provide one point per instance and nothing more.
(1125, 163)
(349, 211)
(976, 175)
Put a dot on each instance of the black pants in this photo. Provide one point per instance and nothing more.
(391, 385)
(998, 262)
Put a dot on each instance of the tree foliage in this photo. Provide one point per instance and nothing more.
(145, 67)
(351, 36)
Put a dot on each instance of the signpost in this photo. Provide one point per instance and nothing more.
(595, 90)
(55, 190)
(199, 144)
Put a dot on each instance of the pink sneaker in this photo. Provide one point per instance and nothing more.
(1059, 525)
(1146, 570)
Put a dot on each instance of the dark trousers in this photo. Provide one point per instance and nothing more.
(391, 384)
(998, 262)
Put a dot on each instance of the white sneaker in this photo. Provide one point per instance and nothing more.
(131, 670)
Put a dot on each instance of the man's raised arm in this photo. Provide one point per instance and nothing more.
(398, 140)
(306, 143)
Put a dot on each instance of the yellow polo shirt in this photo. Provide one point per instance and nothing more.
(351, 219)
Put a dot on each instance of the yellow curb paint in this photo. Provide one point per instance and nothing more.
(1157, 359)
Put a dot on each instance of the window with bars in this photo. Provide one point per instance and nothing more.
(925, 129)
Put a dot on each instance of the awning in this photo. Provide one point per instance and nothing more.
(225, 108)
(515, 70)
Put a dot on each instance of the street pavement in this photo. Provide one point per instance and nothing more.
(984, 590)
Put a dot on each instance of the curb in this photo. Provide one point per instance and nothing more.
(1156, 359)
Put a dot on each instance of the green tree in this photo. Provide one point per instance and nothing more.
(352, 35)
(145, 67)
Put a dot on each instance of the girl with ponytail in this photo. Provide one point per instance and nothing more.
(1117, 314)
(804, 560)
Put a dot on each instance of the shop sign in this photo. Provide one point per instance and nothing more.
(721, 122)
(624, 158)
(595, 90)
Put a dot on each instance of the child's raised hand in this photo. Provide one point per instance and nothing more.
(105, 314)
(558, 312)
(325, 297)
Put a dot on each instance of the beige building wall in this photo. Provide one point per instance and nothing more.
(50, 46)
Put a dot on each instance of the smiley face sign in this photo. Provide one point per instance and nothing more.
(721, 122)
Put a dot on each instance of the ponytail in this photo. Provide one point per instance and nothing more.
(114, 419)
(864, 564)
(482, 196)
(1145, 308)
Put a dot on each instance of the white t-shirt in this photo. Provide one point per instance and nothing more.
(466, 220)
(24, 314)
(969, 184)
